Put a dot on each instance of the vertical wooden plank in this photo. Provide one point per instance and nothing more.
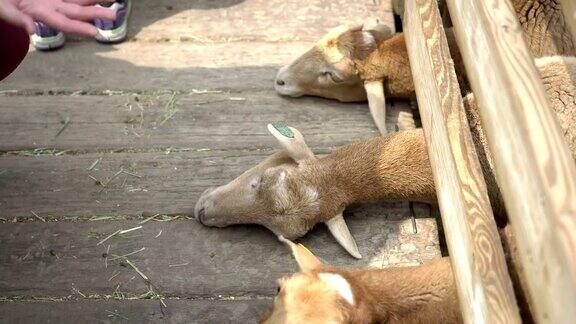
(484, 286)
(533, 165)
(569, 9)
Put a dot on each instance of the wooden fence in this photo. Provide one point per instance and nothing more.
(533, 165)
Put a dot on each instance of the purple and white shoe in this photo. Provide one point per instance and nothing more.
(114, 31)
(47, 38)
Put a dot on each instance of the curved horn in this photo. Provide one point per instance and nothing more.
(377, 103)
(306, 260)
(337, 226)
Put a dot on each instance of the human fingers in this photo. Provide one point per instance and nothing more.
(86, 13)
(67, 25)
(11, 14)
(87, 2)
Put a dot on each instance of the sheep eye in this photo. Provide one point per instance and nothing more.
(277, 290)
(332, 76)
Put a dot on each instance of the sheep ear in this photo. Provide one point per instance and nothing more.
(377, 103)
(384, 32)
(291, 140)
(337, 226)
(305, 259)
(336, 32)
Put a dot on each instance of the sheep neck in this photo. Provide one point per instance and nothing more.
(385, 168)
(408, 294)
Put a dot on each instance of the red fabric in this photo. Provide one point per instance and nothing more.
(14, 43)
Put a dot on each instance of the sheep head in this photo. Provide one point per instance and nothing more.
(328, 69)
(321, 293)
(282, 193)
(335, 69)
(317, 294)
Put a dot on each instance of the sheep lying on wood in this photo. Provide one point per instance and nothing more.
(323, 294)
(351, 64)
(292, 190)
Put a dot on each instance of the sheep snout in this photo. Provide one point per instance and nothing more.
(283, 86)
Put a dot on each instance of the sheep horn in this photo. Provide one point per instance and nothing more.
(337, 226)
(377, 103)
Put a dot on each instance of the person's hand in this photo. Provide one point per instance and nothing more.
(70, 16)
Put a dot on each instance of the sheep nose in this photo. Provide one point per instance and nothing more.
(280, 82)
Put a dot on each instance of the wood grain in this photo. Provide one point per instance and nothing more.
(200, 311)
(484, 286)
(183, 258)
(209, 121)
(569, 10)
(223, 79)
(57, 187)
(157, 121)
(533, 165)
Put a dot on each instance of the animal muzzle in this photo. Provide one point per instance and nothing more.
(215, 209)
(203, 209)
(284, 85)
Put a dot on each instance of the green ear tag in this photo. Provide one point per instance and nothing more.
(283, 129)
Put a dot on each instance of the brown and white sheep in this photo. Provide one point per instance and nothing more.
(320, 293)
(292, 190)
(351, 64)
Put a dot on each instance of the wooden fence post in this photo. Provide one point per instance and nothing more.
(484, 287)
(533, 165)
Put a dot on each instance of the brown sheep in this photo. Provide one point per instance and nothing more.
(351, 64)
(293, 190)
(323, 294)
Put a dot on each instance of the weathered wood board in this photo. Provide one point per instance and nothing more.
(181, 106)
(231, 20)
(135, 311)
(185, 45)
(184, 259)
(136, 67)
(152, 121)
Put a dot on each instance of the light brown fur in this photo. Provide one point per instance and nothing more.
(390, 62)
(352, 59)
(545, 27)
(542, 21)
(395, 167)
(421, 294)
(389, 168)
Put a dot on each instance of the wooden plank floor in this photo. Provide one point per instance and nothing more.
(181, 106)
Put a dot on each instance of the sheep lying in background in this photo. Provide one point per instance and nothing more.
(546, 30)
(542, 21)
(292, 190)
(351, 64)
(323, 294)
